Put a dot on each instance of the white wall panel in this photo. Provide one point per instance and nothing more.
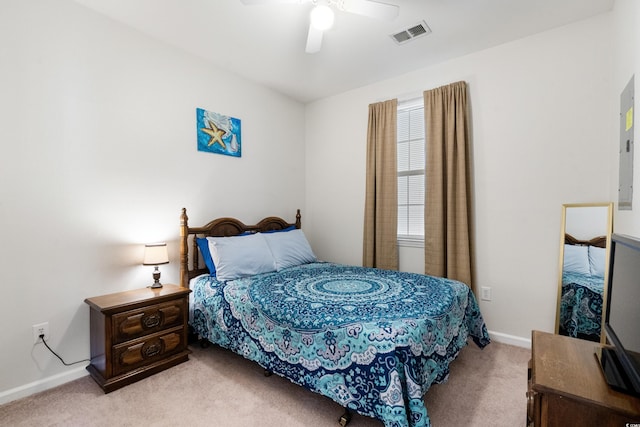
(541, 133)
(97, 157)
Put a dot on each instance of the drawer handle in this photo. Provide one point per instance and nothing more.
(152, 350)
(152, 320)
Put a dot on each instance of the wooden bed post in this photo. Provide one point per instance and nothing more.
(184, 253)
(298, 221)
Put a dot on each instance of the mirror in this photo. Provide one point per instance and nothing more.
(584, 258)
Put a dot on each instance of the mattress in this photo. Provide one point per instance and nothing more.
(372, 340)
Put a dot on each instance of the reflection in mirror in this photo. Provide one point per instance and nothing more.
(584, 255)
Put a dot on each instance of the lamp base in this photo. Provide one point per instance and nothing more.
(156, 279)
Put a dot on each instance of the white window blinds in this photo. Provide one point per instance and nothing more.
(411, 169)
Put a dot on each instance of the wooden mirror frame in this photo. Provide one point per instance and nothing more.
(598, 241)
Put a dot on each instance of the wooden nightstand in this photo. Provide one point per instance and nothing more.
(135, 334)
(567, 388)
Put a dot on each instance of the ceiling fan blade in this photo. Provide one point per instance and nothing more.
(372, 9)
(314, 40)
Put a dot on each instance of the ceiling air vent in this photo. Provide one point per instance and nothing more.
(413, 32)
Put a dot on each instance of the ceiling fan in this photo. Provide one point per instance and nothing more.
(321, 17)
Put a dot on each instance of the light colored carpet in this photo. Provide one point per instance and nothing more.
(218, 388)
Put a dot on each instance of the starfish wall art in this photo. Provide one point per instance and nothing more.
(218, 133)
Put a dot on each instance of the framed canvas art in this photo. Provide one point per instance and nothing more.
(218, 133)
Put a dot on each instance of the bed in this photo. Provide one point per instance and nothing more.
(582, 287)
(372, 340)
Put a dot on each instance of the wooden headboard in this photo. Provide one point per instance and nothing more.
(221, 227)
(600, 241)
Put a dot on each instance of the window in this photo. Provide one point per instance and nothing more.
(411, 167)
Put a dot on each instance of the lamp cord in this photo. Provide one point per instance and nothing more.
(56, 354)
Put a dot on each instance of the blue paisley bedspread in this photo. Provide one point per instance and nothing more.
(581, 305)
(372, 340)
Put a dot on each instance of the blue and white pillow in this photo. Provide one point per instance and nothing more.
(597, 260)
(203, 245)
(576, 259)
(241, 256)
(290, 249)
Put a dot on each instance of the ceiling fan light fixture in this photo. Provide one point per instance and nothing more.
(322, 17)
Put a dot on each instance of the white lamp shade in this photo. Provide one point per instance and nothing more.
(155, 254)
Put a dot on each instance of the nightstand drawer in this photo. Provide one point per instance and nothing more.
(136, 323)
(134, 354)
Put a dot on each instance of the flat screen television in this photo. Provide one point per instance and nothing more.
(620, 361)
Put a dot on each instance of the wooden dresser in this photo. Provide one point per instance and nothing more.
(137, 333)
(567, 388)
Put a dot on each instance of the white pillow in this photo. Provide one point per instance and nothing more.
(240, 256)
(290, 249)
(576, 259)
(597, 258)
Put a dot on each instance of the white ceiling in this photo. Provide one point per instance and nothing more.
(266, 43)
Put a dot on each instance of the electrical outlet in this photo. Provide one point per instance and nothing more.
(40, 329)
(485, 293)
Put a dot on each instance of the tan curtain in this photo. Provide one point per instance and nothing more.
(380, 248)
(447, 220)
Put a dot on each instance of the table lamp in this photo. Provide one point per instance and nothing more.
(155, 254)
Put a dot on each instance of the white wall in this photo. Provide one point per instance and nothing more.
(586, 222)
(98, 155)
(542, 120)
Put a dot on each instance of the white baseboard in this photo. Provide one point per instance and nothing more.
(42, 385)
(510, 339)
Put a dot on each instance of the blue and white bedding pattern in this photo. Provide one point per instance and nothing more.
(372, 340)
(581, 305)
